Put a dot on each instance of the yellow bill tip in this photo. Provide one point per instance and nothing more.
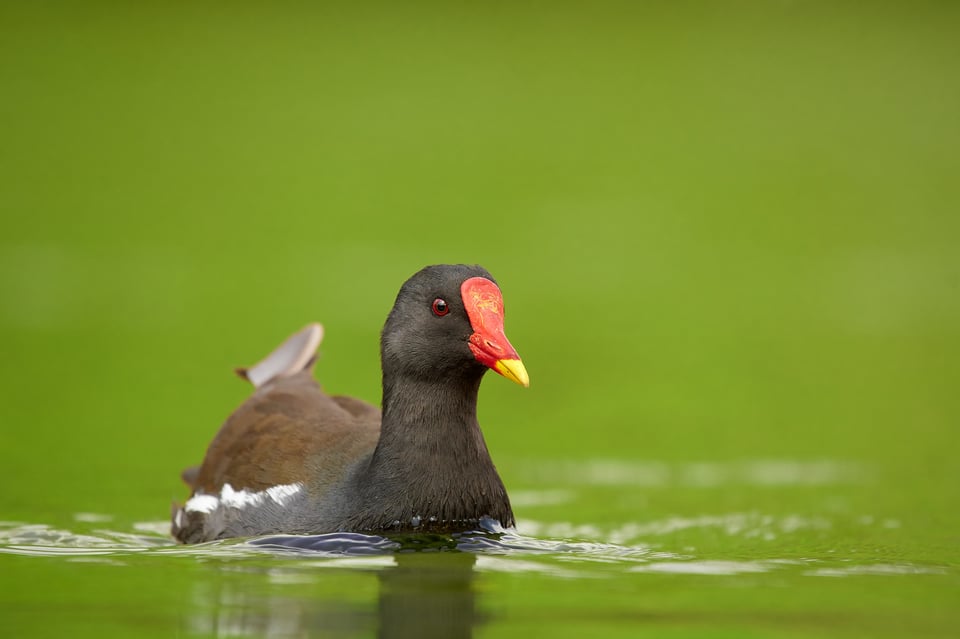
(513, 370)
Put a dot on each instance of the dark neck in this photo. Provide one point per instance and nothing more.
(431, 460)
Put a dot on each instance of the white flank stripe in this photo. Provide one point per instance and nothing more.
(230, 498)
(239, 498)
(202, 504)
(283, 492)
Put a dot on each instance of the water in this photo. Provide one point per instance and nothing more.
(716, 574)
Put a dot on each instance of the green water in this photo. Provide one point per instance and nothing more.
(729, 244)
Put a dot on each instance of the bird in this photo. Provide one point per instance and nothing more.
(292, 459)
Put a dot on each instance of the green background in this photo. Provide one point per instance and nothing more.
(724, 232)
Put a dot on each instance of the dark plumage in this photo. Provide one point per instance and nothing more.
(292, 459)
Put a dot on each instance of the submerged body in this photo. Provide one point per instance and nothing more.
(293, 459)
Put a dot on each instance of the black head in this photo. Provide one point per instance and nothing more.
(427, 333)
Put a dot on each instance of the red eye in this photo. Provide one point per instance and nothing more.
(440, 307)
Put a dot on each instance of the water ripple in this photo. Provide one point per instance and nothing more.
(496, 549)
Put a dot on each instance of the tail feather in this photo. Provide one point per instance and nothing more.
(297, 353)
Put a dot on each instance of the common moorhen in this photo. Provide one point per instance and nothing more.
(292, 459)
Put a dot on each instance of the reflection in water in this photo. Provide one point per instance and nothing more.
(422, 594)
(428, 595)
(236, 612)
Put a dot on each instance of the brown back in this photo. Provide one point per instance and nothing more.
(289, 431)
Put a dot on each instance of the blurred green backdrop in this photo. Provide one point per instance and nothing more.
(723, 230)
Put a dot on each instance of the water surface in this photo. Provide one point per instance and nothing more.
(833, 569)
